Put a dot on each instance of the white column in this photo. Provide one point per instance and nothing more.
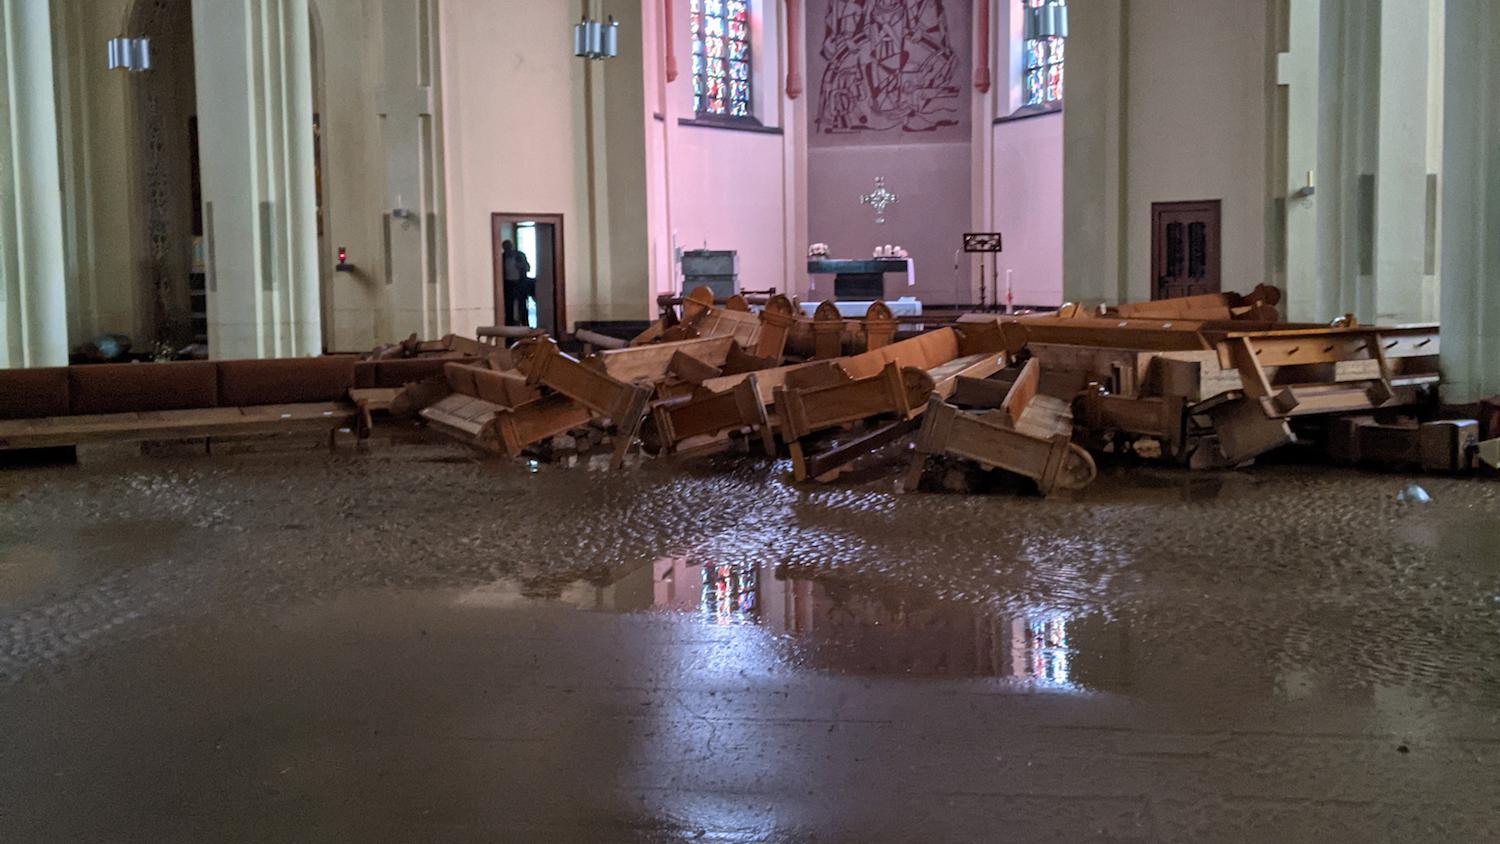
(255, 110)
(1297, 71)
(1401, 164)
(1470, 287)
(1094, 182)
(417, 293)
(33, 299)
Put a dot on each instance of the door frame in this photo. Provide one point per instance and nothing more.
(1215, 243)
(559, 272)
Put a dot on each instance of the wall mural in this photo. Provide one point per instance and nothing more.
(891, 66)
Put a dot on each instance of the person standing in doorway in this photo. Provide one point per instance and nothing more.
(517, 269)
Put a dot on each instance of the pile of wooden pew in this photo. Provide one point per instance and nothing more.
(1205, 381)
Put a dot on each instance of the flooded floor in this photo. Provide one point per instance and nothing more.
(411, 644)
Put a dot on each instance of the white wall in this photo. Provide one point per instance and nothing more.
(1164, 105)
(516, 140)
(1195, 127)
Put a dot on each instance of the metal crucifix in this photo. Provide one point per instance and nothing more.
(880, 199)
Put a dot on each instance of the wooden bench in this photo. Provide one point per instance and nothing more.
(69, 406)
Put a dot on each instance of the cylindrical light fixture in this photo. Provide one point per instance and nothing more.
(581, 39)
(142, 54)
(595, 40)
(129, 54)
(1047, 21)
(611, 39)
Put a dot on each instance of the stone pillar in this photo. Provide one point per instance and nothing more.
(1297, 72)
(33, 299)
(255, 121)
(1470, 289)
(1400, 226)
(417, 296)
(1093, 177)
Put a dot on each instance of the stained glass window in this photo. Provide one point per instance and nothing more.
(721, 57)
(1044, 55)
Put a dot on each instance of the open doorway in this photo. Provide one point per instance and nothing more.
(540, 238)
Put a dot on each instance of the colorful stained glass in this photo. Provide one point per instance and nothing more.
(721, 57)
(1044, 64)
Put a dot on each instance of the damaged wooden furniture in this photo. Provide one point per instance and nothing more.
(1027, 434)
(1235, 383)
(762, 334)
(544, 364)
(1442, 446)
(475, 396)
(709, 414)
(892, 381)
(942, 354)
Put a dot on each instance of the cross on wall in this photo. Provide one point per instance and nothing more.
(879, 199)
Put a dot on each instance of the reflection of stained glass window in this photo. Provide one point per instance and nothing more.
(721, 57)
(729, 594)
(1044, 61)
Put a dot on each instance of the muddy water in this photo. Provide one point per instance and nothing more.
(1252, 579)
(412, 644)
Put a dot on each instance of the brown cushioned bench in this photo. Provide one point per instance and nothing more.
(64, 406)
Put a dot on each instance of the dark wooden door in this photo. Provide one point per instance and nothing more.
(1185, 249)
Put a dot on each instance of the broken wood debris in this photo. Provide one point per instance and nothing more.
(1204, 381)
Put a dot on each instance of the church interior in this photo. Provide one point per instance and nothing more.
(749, 420)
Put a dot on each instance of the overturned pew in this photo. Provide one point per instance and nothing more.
(1024, 433)
(1234, 385)
(889, 386)
(761, 335)
(624, 404)
(828, 394)
(467, 402)
(678, 368)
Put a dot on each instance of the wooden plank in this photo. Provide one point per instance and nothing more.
(825, 466)
(512, 429)
(985, 393)
(692, 370)
(893, 391)
(777, 320)
(1246, 432)
(175, 425)
(624, 404)
(652, 363)
(1022, 391)
(986, 439)
(710, 414)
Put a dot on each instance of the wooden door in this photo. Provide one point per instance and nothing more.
(1185, 249)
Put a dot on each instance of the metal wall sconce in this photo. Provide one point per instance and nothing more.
(343, 266)
(596, 41)
(1049, 20)
(130, 54)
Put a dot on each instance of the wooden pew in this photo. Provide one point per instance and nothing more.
(1028, 434)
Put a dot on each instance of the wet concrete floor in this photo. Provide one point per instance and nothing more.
(411, 644)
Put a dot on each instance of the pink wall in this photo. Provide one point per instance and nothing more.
(932, 181)
(915, 132)
(745, 191)
(725, 188)
(1028, 206)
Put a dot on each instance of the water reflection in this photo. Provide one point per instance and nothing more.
(854, 627)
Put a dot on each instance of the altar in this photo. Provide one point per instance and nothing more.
(860, 280)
